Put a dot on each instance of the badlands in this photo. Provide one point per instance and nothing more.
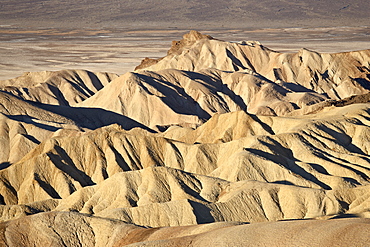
(215, 144)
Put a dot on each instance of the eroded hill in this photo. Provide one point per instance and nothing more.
(213, 132)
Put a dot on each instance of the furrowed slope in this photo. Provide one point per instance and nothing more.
(176, 97)
(24, 125)
(221, 132)
(328, 151)
(338, 75)
(202, 76)
(65, 87)
(74, 229)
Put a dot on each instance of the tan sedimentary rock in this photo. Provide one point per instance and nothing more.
(320, 152)
(62, 229)
(24, 126)
(176, 48)
(166, 197)
(339, 75)
(339, 232)
(176, 97)
(65, 87)
(74, 229)
(231, 133)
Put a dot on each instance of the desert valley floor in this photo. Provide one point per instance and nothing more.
(214, 140)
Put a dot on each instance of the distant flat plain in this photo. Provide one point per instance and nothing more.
(119, 50)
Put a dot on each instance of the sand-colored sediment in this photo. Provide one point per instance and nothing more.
(215, 144)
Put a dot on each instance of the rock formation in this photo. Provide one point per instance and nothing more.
(65, 87)
(215, 133)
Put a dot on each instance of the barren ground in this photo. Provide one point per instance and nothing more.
(120, 50)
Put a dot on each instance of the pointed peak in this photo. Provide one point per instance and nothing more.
(194, 36)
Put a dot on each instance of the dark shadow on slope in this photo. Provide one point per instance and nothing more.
(264, 125)
(361, 174)
(81, 84)
(362, 82)
(11, 192)
(63, 162)
(345, 216)
(284, 220)
(58, 95)
(93, 118)
(95, 80)
(340, 138)
(289, 165)
(285, 158)
(351, 181)
(344, 205)
(237, 64)
(296, 88)
(218, 87)
(120, 160)
(278, 74)
(47, 187)
(31, 138)
(191, 192)
(29, 120)
(186, 188)
(4, 165)
(76, 83)
(177, 152)
(319, 168)
(283, 182)
(201, 212)
(348, 145)
(175, 97)
(326, 156)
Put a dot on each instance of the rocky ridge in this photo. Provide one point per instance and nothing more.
(231, 133)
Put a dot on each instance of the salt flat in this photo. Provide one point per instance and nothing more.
(120, 50)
